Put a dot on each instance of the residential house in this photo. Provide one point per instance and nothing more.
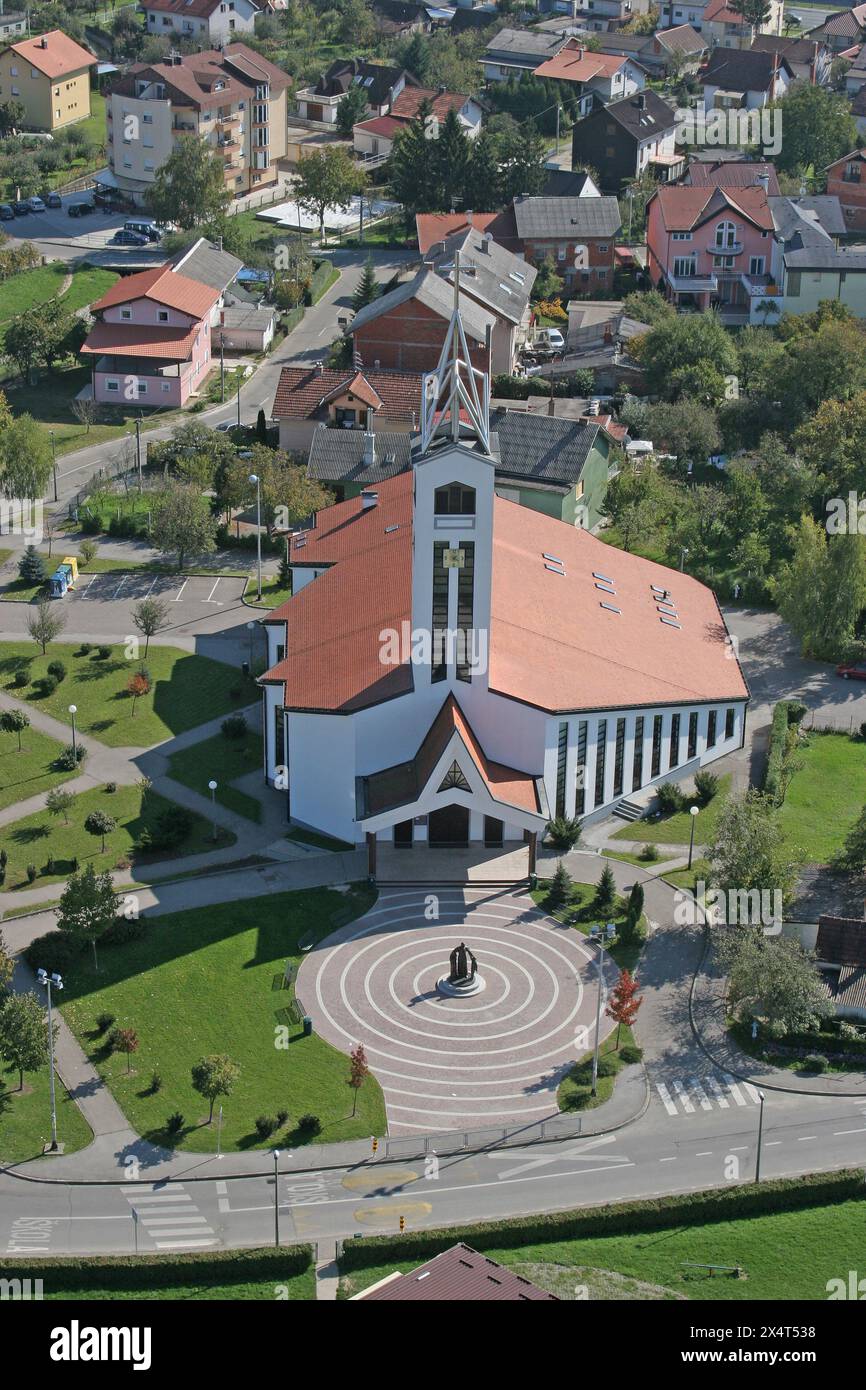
(12, 25)
(808, 263)
(380, 83)
(569, 183)
(744, 79)
(245, 327)
(456, 1275)
(151, 343)
(603, 672)
(840, 957)
(577, 233)
(678, 51)
(626, 138)
(846, 180)
(436, 227)
(694, 12)
(514, 51)
(50, 77)
(841, 30)
(858, 110)
(605, 75)
(809, 61)
(233, 99)
(209, 264)
(374, 138)
(212, 23)
(731, 173)
(855, 77)
(596, 16)
(344, 400)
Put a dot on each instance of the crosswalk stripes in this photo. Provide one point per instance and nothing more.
(705, 1093)
(169, 1217)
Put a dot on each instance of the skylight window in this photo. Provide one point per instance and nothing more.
(518, 276)
(610, 608)
(394, 527)
(554, 570)
(555, 558)
(606, 577)
(669, 622)
(605, 588)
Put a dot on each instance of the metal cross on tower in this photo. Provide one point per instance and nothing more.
(455, 385)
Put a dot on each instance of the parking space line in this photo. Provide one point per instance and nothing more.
(177, 597)
(120, 586)
(210, 598)
(152, 582)
(86, 590)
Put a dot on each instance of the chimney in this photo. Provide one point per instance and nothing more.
(551, 404)
(641, 102)
(469, 216)
(319, 369)
(369, 498)
(763, 181)
(43, 42)
(485, 243)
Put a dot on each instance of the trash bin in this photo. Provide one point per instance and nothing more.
(245, 667)
(308, 1027)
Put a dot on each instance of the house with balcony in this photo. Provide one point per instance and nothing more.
(717, 23)
(380, 83)
(744, 79)
(624, 139)
(234, 100)
(308, 398)
(808, 262)
(597, 16)
(151, 342)
(846, 180)
(212, 23)
(374, 138)
(579, 234)
(608, 76)
(809, 61)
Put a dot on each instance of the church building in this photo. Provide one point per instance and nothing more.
(454, 669)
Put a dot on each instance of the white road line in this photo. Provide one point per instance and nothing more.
(177, 597)
(713, 1086)
(664, 1094)
(160, 1200)
(699, 1093)
(668, 1160)
(120, 586)
(184, 1244)
(152, 582)
(174, 1231)
(734, 1090)
(802, 1138)
(86, 591)
(740, 1149)
(862, 1130)
(683, 1098)
(752, 1092)
(166, 1219)
(771, 1143)
(210, 598)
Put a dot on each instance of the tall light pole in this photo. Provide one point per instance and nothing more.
(600, 965)
(213, 786)
(254, 478)
(251, 627)
(47, 981)
(276, 1197)
(54, 461)
(138, 450)
(693, 813)
(73, 710)
(760, 1137)
(239, 399)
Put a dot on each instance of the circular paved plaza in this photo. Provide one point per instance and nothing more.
(495, 1058)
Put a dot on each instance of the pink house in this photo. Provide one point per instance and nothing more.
(151, 343)
(711, 248)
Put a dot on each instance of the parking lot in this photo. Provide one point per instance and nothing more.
(55, 225)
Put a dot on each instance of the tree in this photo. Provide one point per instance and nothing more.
(685, 428)
(59, 802)
(23, 1034)
(412, 165)
(605, 890)
(12, 115)
(367, 289)
(125, 1040)
(351, 108)
(358, 1072)
(137, 685)
(818, 126)
(31, 566)
(182, 523)
(7, 970)
(524, 169)
(548, 284)
(748, 850)
(755, 12)
(189, 187)
(46, 624)
(37, 336)
(821, 591)
(451, 160)
(25, 458)
(830, 443)
(100, 823)
(683, 344)
(326, 179)
(775, 980)
(624, 1003)
(818, 365)
(294, 272)
(214, 1076)
(15, 721)
(86, 411)
(560, 886)
(194, 452)
(484, 179)
(149, 616)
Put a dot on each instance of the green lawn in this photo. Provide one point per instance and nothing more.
(33, 839)
(676, 829)
(575, 1091)
(88, 284)
(209, 981)
(223, 760)
(786, 1256)
(186, 690)
(25, 1119)
(32, 770)
(825, 796)
(33, 287)
(49, 401)
(302, 836)
(273, 592)
(687, 878)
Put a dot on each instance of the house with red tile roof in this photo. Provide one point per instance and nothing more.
(846, 179)
(50, 76)
(151, 342)
(374, 138)
(608, 75)
(454, 669)
(211, 22)
(308, 397)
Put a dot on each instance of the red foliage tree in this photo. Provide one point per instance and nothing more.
(358, 1073)
(624, 1002)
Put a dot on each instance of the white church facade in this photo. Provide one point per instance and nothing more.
(454, 669)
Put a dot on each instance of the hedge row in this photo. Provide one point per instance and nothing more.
(130, 1272)
(693, 1208)
(291, 319)
(321, 280)
(786, 713)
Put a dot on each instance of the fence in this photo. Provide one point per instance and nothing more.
(825, 724)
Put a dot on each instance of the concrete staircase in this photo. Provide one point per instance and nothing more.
(628, 810)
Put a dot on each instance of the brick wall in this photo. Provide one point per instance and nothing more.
(599, 260)
(851, 195)
(409, 338)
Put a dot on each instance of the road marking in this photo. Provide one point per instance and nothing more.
(152, 582)
(734, 1090)
(771, 1143)
(712, 1085)
(86, 590)
(699, 1093)
(705, 1153)
(740, 1149)
(752, 1092)
(668, 1104)
(581, 1152)
(182, 1244)
(668, 1160)
(683, 1098)
(862, 1130)
(120, 586)
(180, 591)
(210, 598)
(802, 1138)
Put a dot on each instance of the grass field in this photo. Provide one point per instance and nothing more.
(273, 592)
(824, 796)
(31, 288)
(575, 1091)
(34, 838)
(50, 404)
(785, 1256)
(209, 981)
(223, 760)
(687, 878)
(25, 1119)
(302, 836)
(676, 829)
(31, 771)
(186, 690)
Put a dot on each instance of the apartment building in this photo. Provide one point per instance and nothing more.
(50, 77)
(234, 99)
(211, 22)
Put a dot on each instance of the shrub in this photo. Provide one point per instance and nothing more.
(608, 1064)
(560, 887)
(706, 787)
(57, 670)
(4, 858)
(630, 1054)
(111, 787)
(796, 711)
(103, 653)
(86, 552)
(123, 930)
(71, 757)
(174, 1124)
(563, 833)
(172, 827)
(56, 950)
(234, 727)
(863, 730)
(20, 678)
(85, 649)
(46, 685)
(155, 1083)
(265, 1125)
(309, 1126)
(75, 865)
(104, 1022)
(50, 866)
(670, 798)
(605, 890)
(282, 1118)
(31, 873)
(815, 1062)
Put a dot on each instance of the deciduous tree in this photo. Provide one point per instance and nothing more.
(88, 904)
(214, 1076)
(624, 1002)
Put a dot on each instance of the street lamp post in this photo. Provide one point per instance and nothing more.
(276, 1197)
(600, 965)
(251, 627)
(73, 710)
(239, 401)
(760, 1137)
(254, 478)
(54, 461)
(47, 981)
(213, 786)
(693, 813)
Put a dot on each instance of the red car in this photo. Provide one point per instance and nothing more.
(851, 673)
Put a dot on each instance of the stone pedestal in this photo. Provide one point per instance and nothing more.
(460, 989)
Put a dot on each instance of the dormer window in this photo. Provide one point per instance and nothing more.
(455, 500)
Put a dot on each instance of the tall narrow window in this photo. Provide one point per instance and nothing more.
(657, 747)
(637, 760)
(619, 754)
(580, 795)
(454, 500)
(600, 749)
(279, 736)
(465, 611)
(711, 729)
(440, 612)
(730, 716)
(674, 756)
(693, 733)
(561, 758)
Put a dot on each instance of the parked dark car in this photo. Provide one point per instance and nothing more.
(52, 200)
(21, 209)
(851, 673)
(122, 238)
(6, 213)
(80, 209)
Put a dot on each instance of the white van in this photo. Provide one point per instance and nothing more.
(144, 226)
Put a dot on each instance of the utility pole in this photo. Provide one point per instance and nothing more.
(138, 450)
(54, 461)
(558, 108)
(222, 368)
(600, 964)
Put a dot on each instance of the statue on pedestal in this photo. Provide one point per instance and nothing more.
(464, 966)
